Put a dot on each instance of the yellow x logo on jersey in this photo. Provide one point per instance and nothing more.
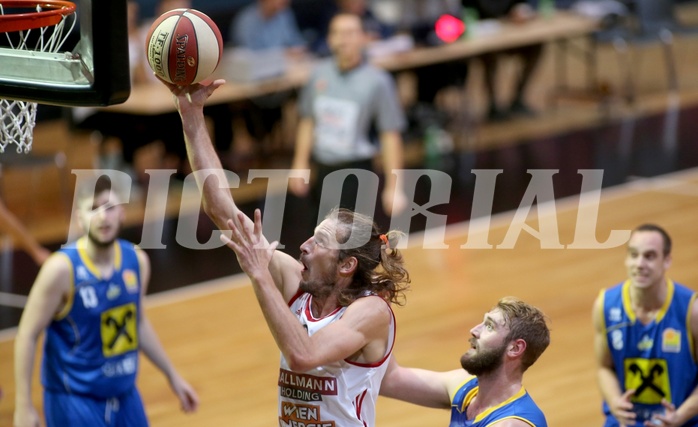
(649, 378)
(119, 330)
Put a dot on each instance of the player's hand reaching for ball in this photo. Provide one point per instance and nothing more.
(193, 96)
(253, 250)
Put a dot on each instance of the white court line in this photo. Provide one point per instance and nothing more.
(12, 300)
(198, 290)
(502, 219)
(673, 186)
(172, 296)
(663, 183)
(563, 204)
(8, 334)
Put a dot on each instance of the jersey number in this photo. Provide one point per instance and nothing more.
(89, 297)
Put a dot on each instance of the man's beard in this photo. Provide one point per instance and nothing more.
(485, 361)
(99, 243)
(320, 287)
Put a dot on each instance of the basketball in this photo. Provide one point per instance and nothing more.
(184, 46)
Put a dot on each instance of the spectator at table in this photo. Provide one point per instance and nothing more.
(517, 11)
(262, 25)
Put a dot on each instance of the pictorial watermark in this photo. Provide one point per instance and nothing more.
(538, 202)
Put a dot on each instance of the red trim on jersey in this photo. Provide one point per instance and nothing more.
(392, 344)
(358, 403)
(295, 297)
(309, 312)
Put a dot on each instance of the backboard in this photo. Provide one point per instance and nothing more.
(91, 69)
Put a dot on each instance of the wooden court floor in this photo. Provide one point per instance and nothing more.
(216, 336)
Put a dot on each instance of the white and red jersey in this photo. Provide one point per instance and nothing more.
(341, 394)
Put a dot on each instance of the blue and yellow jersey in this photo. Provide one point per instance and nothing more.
(656, 359)
(520, 406)
(91, 347)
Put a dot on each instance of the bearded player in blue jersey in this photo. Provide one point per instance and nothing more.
(489, 389)
(88, 299)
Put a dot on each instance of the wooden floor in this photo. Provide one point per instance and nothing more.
(218, 339)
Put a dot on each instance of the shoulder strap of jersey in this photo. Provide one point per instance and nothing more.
(71, 293)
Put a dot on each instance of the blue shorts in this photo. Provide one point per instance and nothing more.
(61, 409)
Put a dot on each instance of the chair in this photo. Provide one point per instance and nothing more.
(649, 22)
(656, 15)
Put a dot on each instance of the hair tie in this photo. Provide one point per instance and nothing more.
(385, 241)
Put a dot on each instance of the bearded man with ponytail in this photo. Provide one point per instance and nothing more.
(329, 311)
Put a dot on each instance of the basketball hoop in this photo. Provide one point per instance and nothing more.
(53, 21)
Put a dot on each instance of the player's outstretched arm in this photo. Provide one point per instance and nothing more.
(152, 348)
(217, 200)
(420, 386)
(49, 295)
(210, 176)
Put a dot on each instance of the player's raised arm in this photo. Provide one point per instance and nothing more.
(217, 200)
(211, 178)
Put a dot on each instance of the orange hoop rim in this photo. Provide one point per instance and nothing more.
(54, 11)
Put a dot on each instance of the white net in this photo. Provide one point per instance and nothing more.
(18, 118)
